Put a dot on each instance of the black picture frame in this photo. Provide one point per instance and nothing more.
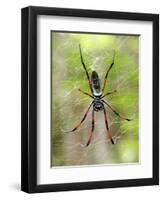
(29, 99)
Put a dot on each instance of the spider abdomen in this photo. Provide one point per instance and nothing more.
(96, 84)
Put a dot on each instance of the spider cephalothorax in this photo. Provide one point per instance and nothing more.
(98, 102)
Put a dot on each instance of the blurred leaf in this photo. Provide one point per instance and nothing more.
(69, 105)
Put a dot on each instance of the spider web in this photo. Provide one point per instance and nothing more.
(69, 106)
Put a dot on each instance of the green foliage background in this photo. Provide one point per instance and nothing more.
(69, 105)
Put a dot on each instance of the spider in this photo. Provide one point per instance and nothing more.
(98, 101)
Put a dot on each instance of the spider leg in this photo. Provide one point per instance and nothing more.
(106, 76)
(117, 113)
(107, 128)
(91, 134)
(79, 124)
(108, 93)
(86, 93)
(82, 61)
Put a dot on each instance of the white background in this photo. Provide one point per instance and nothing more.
(48, 175)
(10, 78)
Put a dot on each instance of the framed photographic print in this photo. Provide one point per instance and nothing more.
(90, 99)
